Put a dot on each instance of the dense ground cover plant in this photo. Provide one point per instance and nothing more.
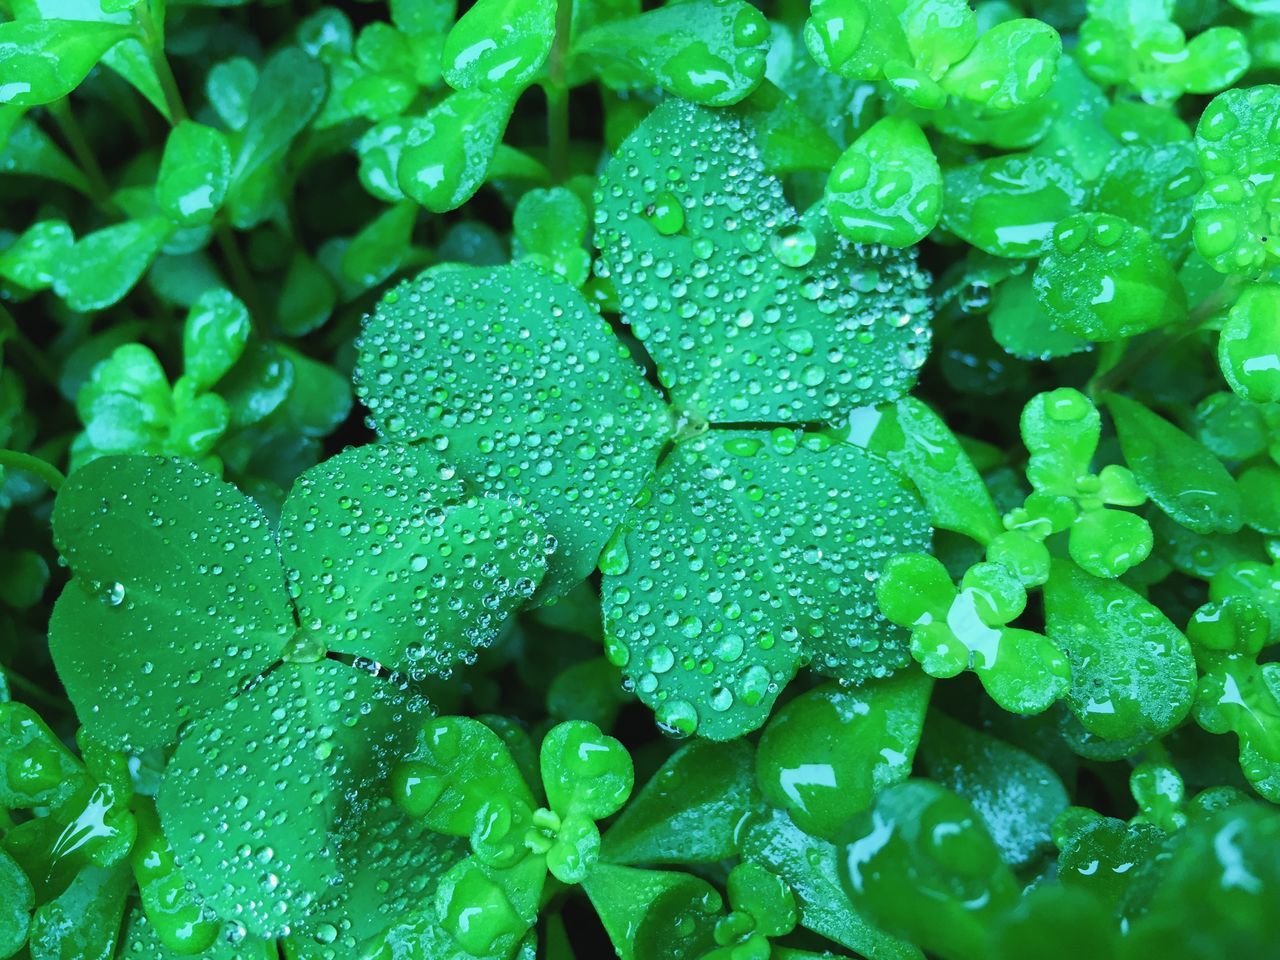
(701, 481)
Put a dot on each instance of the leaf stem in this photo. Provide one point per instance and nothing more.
(80, 149)
(32, 689)
(17, 460)
(153, 40)
(557, 91)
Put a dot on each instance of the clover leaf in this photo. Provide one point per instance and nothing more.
(546, 404)
(219, 643)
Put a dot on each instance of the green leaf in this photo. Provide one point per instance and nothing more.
(177, 596)
(214, 337)
(510, 375)
(83, 923)
(16, 901)
(920, 445)
(38, 769)
(1178, 473)
(139, 941)
(806, 522)
(229, 87)
(886, 188)
(389, 558)
(195, 172)
(380, 247)
(826, 754)
(1011, 66)
(1017, 796)
(550, 229)
(104, 266)
(307, 297)
(653, 914)
(1024, 329)
(689, 810)
(1249, 348)
(706, 51)
(808, 864)
(1133, 676)
(499, 44)
(44, 60)
(1011, 203)
(31, 151)
(446, 155)
(1103, 278)
(388, 864)
(36, 257)
(751, 313)
(285, 766)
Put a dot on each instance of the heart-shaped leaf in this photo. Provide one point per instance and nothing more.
(177, 597)
(751, 312)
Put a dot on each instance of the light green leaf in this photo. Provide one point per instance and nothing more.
(34, 259)
(1133, 676)
(389, 558)
(516, 382)
(751, 313)
(229, 87)
(194, 174)
(499, 44)
(826, 754)
(750, 554)
(44, 60)
(1178, 473)
(104, 265)
(286, 766)
(446, 156)
(653, 914)
(214, 337)
(177, 596)
(380, 247)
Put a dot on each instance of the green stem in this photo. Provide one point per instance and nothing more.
(17, 460)
(241, 277)
(31, 689)
(557, 90)
(153, 40)
(80, 149)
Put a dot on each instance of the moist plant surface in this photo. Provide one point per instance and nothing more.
(702, 480)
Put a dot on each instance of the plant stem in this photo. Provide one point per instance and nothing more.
(153, 40)
(17, 460)
(34, 690)
(80, 149)
(241, 277)
(557, 91)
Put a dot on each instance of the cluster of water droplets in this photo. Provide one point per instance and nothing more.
(389, 556)
(753, 553)
(750, 312)
(510, 376)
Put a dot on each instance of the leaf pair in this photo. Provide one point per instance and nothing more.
(749, 551)
(186, 622)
